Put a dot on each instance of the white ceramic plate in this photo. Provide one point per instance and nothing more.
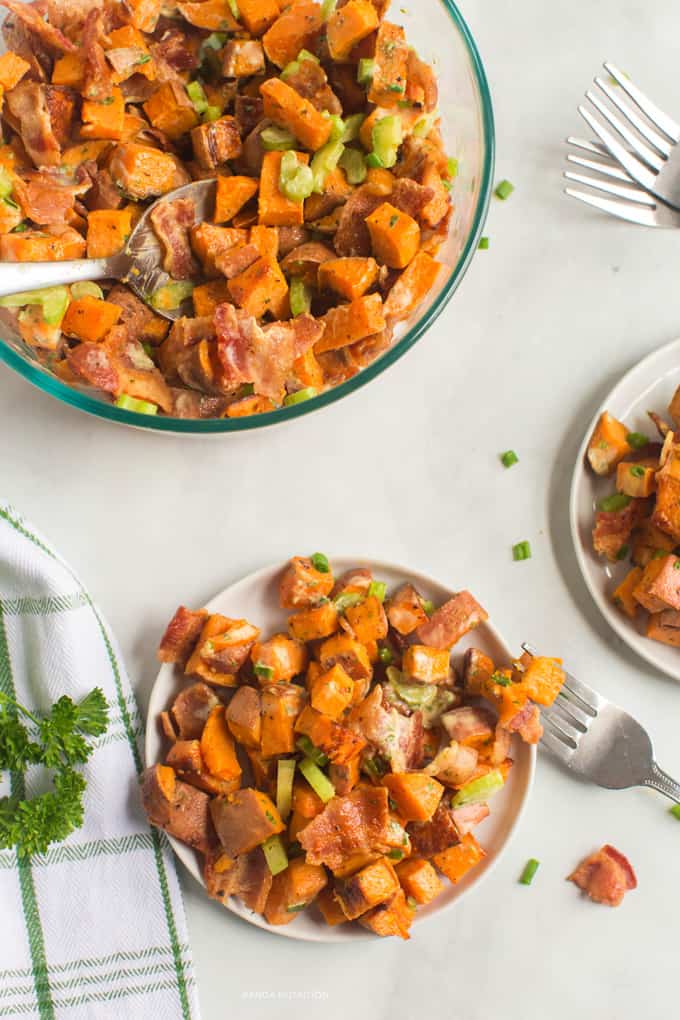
(256, 598)
(647, 387)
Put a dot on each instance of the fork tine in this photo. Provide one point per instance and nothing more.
(606, 169)
(624, 210)
(558, 729)
(574, 707)
(648, 133)
(637, 170)
(628, 193)
(575, 716)
(650, 109)
(590, 698)
(557, 746)
(596, 148)
(642, 150)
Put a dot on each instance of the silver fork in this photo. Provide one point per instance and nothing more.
(599, 741)
(626, 200)
(646, 146)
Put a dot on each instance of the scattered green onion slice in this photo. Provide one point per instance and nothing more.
(385, 656)
(374, 162)
(211, 113)
(197, 95)
(452, 166)
(623, 552)
(504, 190)
(483, 243)
(20, 228)
(479, 789)
(348, 599)
(354, 165)
(86, 288)
(319, 782)
(275, 854)
(412, 902)
(428, 606)
(521, 551)
(300, 297)
(396, 854)
(617, 501)
(320, 563)
(233, 7)
(327, 8)
(294, 908)
(277, 139)
(263, 671)
(424, 125)
(636, 440)
(299, 396)
(315, 754)
(378, 590)
(675, 811)
(365, 71)
(128, 403)
(285, 772)
(530, 869)
(6, 182)
(509, 458)
(637, 471)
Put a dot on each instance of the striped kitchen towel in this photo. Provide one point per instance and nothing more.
(95, 927)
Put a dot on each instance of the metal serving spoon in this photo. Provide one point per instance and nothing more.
(138, 265)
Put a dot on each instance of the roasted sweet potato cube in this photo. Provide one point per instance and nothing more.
(608, 444)
(338, 742)
(429, 665)
(649, 541)
(391, 918)
(181, 635)
(665, 627)
(458, 860)
(244, 819)
(264, 770)
(185, 756)
(312, 624)
(12, 69)
(260, 288)
(395, 236)
(294, 889)
(405, 610)
(281, 705)
(210, 243)
(355, 862)
(412, 287)
(177, 807)
(170, 110)
(302, 585)
(418, 879)
(296, 29)
(543, 678)
(290, 110)
(635, 479)
(348, 25)
(388, 84)
(348, 277)
(666, 515)
(242, 58)
(331, 692)
(416, 794)
(89, 318)
(367, 620)
(258, 15)
(279, 659)
(231, 194)
(274, 208)
(346, 776)
(348, 653)
(613, 528)
(450, 622)
(243, 716)
(476, 667)
(348, 324)
(622, 596)
(216, 142)
(208, 296)
(296, 824)
(659, 587)
(217, 747)
(374, 884)
(211, 784)
(221, 650)
(306, 802)
(330, 909)
(191, 708)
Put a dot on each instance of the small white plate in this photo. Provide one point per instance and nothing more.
(256, 598)
(649, 386)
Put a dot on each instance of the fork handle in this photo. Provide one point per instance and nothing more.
(661, 781)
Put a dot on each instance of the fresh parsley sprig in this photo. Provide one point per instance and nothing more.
(59, 744)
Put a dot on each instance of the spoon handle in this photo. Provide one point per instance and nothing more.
(18, 276)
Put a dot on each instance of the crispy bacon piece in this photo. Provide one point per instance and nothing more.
(352, 237)
(405, 610)
(453, 765)
(171, 222)
(398, 737)
(606, 876)
(247, 877)
(613, 528)
(469, 724)
(500, 748)
(421, 87)
(249, 353)
(191, 708)
(30, 16)
(310, 81)
(527, 723)
(174, 54)
(45, 200)
(450, 622)
(181, 635)
(27, 103)
(138, 375)
(97, 84)
(436, 835)
(357, 823)
(465, 818)
(249, 111)
(410, 197)
(190, 404)
(291, 237)
(69, 15)
(103, 194)
(91, 363)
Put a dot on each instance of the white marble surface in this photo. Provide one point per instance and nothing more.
(546, 320)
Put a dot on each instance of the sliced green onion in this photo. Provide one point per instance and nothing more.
(296, 180)
(337, 126)
(171, 295)
(319, 782)
(376, 767)
(197, 95)
(428, 606)
(275, 854)
(348, 599)
(300, 297)
(617, 501)
(504, 190)
(521, 551)
(385, 655)
(277, 139)
(637, 471)
(352, 127)
(285, 772)
(11, 203)
(365, 71)
(636, 440)
(386, 137)
(320, 563)
(294, 66)
(315, 754)
(479, 789)
(6, 182)
(86, 289)
(211, 113)
(659, 554)
(215, 41)
(675, 811)
(424, 125)
(295, 908)
(133, 404)
(143, 60)
(623, 552)
(396, 854)
(483, 243)
(233, 7)
(299, 396)
(263, 671)
(20, 228)
(53, 300)
(354, 165)
(327, 8)
(324, 162)
(412, 902)
(377, 590)
(530, 869)
(509, 458)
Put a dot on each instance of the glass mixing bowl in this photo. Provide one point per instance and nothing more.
(438, 31)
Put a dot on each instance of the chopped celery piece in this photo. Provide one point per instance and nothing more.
(197, 95)
(424, 125)
(233, 7)
(294, 66)
(354, 165)
(323, 162)
(675, 811)
(352, 126)
(365, 71)
(428, 606)
(133, 404)
(304, 744)
(211, 113)
(319, 782)
(209, 46)
(387, 136)
(277, 139)
(374, 161)
(479, 789)
(299, 396)
(348, 599)
(320, 563)
(414, 695)
(285, 771)
(53, 300)
(327, 8)
(296, 181)
(378, 589)
(171, 295)
(300, 297)
(337, 128)
(275, 854)
(86, 289)
(6, 183)
(452, 166)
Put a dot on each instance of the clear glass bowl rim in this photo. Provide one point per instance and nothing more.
(53, 386)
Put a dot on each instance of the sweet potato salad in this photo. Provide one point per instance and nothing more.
(639, 523)
(319, 123)
(341, 765)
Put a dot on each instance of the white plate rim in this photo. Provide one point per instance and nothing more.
(642, 646)
(188, 856)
